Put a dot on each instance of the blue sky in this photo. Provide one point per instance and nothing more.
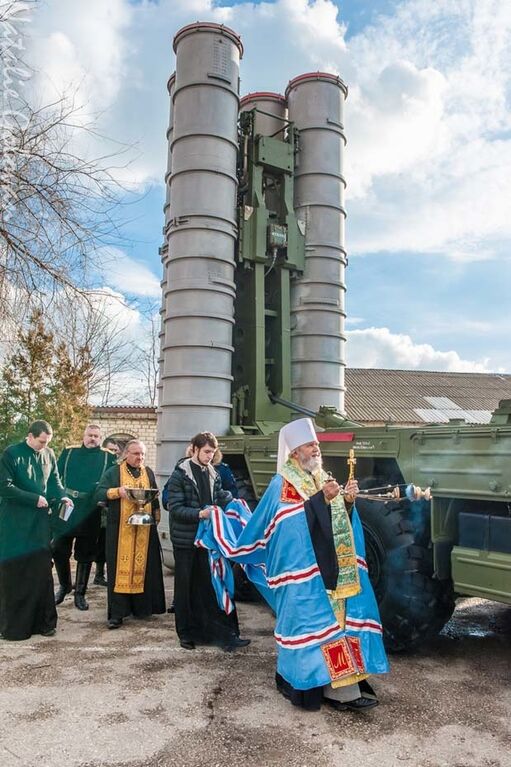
(428, 160)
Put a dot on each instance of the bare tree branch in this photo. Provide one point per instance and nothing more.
(57, 208)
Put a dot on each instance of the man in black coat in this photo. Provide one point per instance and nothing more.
(81, 467)
(193, 487)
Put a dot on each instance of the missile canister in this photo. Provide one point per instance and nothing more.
(195, 392)
(270, 104)
(315, 104)
(164, 250)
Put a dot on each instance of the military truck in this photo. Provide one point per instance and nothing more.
(253, 335)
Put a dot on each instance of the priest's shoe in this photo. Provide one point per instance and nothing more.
(359, 704)
(187, 644)
(283, 687)
(114, 623)
(366, 690)
(235, 643)
(48, 633)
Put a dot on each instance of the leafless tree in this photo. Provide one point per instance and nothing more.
(95, 321)
(56, 207)
(148, 355)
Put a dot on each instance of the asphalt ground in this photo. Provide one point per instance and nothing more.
(90, 697)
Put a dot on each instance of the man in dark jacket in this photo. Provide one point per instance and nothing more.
(81, 467)
(193, 487)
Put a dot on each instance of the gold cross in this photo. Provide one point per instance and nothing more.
(351, 463)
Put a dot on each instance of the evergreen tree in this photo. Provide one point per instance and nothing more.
(39, 380)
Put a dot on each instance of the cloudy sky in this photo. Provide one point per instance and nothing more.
(428, 166)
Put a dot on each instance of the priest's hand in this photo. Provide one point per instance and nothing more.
(350, 490)
(331, 489)
(205, 513)
(122, 492)
(42, 503)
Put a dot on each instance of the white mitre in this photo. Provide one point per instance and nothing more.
(293, 435)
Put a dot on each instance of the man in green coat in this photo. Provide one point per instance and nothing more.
(81, 467)
(29, 484)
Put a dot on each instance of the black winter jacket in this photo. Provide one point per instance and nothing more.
(184, 504)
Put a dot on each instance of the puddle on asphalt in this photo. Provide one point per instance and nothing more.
(479, 619)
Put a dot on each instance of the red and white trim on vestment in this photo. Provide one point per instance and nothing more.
(362, 563)
(230, 551)
(233, 514)
(363, 624)
(293, 576)
(306, 640)
(285, 512)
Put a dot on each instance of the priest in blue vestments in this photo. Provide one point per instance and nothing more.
(304, 548)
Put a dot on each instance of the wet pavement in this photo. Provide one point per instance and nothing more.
(90, 697)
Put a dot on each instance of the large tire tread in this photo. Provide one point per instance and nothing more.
(413, 605)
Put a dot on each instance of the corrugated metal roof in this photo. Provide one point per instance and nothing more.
(376, 395)
(420, 396)
(444, 415)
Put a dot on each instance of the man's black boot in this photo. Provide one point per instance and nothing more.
(234, 643)
(64, 575)
(99, 578)
(82, 579)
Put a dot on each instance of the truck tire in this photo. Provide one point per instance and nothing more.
(413, 605)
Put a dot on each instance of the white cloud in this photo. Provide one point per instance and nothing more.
(113, 306)
(379, 348)
(81, 44)
(427, 117)
(352, 320)
(129, 276)
(441, 184)
(393, 123)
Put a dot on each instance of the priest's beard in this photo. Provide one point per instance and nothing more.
(312, 464)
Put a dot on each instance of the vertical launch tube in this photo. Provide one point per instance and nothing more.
(315, 103)
(162, 468)
(201, 234)
(270, 103)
